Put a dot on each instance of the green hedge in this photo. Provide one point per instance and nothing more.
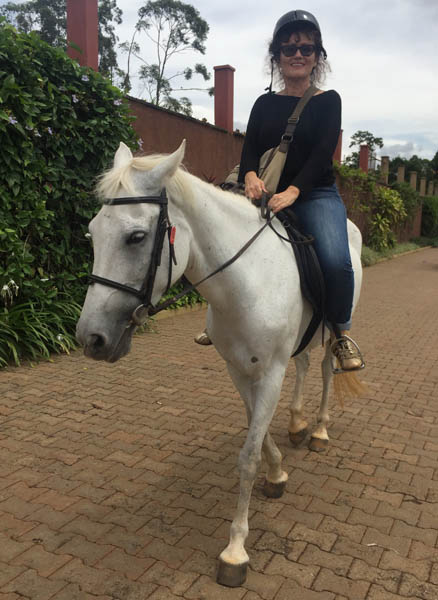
(60, 125)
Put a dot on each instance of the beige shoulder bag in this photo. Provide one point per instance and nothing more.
(272, 161)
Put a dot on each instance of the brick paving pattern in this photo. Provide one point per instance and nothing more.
(120, 481)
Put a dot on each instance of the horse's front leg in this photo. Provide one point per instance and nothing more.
(261, 399)
(298, 427)
(276, 478)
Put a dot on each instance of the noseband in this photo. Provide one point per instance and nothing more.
(163, 227)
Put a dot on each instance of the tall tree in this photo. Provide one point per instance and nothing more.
(172, 27)
(358, 139)
(48, 18)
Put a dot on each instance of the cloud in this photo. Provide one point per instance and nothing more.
(383, 57)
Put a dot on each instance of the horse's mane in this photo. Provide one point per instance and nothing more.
(178, 186)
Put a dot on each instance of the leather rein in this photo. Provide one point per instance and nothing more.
(163, 227)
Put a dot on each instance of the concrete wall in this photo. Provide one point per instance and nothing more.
(211, 152)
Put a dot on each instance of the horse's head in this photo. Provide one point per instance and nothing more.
(132, 251)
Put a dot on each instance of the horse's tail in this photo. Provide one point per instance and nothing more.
(348, 385)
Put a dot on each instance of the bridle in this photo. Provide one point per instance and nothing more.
(163, 227)
(146, 308)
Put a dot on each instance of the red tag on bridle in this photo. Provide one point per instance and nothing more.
(172, 235)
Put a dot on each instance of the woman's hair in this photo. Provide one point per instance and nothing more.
(321, 68)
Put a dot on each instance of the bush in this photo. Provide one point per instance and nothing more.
(429, 223)
(411, 198)
(60, 126)
(387, 210)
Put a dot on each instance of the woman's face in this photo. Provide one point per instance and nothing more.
(297, 66)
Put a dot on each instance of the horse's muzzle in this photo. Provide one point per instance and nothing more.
(98, 346)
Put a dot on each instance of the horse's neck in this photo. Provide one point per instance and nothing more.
(220, 223)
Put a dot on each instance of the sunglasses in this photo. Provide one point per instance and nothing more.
(292, 49)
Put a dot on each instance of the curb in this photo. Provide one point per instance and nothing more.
(385, 259)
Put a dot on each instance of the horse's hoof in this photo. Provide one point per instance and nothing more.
(274, 490)
(296, 439)
(318, 444)
(231, 575)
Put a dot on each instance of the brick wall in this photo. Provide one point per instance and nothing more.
(211, 152)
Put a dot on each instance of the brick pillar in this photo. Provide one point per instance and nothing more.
(413, 179)
(224, 97)
(401, 174)
(82, 30)
(385, 169)
(423, 186)
(338, 150)
(364, 157)
(430, 188)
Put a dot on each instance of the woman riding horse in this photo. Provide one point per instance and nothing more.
(307, 185)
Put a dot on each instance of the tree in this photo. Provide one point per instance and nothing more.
(422, 166)
(48, 18)
(358, 139)
(173, 27)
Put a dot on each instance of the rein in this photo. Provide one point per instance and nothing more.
(163, 227)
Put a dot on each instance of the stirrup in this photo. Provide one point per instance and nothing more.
(344, 348)
(203, 339)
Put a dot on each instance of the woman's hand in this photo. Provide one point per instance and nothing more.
(283, 199)
(254, 187)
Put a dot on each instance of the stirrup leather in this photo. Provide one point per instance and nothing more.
(344, 348)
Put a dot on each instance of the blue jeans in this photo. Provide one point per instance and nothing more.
(322, 214)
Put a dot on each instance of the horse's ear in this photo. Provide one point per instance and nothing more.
(167, 167)
(123, 156)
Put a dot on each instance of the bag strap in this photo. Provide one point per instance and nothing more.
(292, 122)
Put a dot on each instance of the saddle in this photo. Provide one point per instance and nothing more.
(311, 278)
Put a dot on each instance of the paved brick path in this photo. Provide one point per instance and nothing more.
(119, 481)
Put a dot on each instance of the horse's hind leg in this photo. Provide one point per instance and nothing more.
(319, 439)
(298, 427)
(276, 478)
(261, 399)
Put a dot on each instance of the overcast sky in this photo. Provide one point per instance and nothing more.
(383, 55)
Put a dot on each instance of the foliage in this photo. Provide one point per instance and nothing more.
(387, 210)
(60, 125)
(429, 223)
(411, 198)
(371, 257)
(35, 329)
(173, 27)
(190, 299)
(361, 138)
(384, 207)
(422, 166)
(48, 19)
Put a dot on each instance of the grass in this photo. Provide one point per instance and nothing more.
(371, 257)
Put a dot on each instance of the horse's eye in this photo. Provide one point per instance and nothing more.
(136, 237)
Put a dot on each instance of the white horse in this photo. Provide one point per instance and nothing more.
(256, 314)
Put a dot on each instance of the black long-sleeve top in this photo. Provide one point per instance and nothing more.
(309, 160)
